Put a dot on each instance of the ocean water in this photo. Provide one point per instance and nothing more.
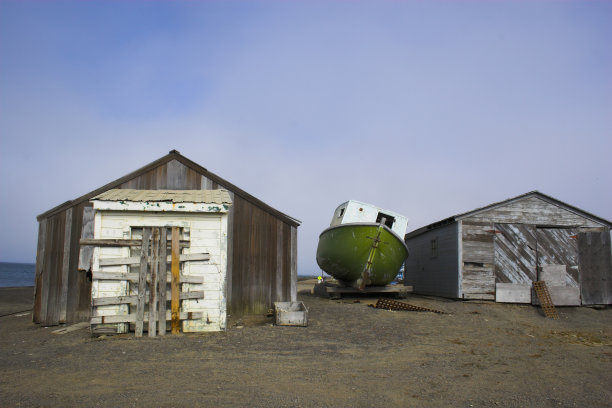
(16, 274)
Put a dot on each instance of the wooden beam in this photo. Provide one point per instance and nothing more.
(369, 289)
(71, 328)
(153, 286)
(63, 300)
(87, 232)
(133, 277)
(142, 281)
(121, 242)
(40, 262)
(131, 318)
(135, 260)
(133, 299)
(161, 284)
(176, 279)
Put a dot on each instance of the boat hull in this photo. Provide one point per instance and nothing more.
(343, 252)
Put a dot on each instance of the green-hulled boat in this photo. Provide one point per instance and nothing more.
(362, 247)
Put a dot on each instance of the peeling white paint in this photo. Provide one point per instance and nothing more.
(206, 229)
(356, 211)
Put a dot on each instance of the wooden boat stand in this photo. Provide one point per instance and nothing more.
(336, 290)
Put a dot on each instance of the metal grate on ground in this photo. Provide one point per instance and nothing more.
(390, 304)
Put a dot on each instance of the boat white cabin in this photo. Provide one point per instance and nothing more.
(355, 211)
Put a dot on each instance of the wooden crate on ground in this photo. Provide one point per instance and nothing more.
(291, 314)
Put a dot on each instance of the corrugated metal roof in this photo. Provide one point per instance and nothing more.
(175, 196)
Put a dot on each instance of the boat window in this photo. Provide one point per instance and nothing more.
(341, 212)
(389, 220)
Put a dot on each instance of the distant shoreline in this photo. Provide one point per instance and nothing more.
(17, 274)
(18, 263)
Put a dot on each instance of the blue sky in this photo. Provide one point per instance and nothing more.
(425, 108)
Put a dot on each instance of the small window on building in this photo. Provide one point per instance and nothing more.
(434, 248)
(341, 212)
(389, 220)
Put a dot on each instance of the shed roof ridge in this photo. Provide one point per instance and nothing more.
(533, 193)
(176, 196)
(172, 155)
(540, 195)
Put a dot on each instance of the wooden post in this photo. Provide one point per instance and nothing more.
(176, 323)
(153, 286)
(63, 300)
(163, 268)
(142, 281)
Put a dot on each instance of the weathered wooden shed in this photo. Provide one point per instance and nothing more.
(496, 252)
(261, 244)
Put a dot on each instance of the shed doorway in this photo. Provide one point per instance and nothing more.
(148, 283)
(525, 253)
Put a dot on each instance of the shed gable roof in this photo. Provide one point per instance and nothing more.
(521, 197)
(173, 196)
(172, 155)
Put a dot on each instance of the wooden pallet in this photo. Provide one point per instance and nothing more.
(335, 291)
(545, 301)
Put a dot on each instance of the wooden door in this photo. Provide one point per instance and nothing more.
(595, 261)
(515, 261)
(525, 253)
(558, 264)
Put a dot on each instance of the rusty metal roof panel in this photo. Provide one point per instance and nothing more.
(175, 196)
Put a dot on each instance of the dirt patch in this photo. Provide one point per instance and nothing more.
(476, 354)
(16, 300)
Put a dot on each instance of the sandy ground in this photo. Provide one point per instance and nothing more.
(479, 354)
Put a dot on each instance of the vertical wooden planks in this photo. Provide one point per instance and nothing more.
(51, 276)
(559, 246)
(293, 278)
(142, 281)
(279, 262)
(82, 308)
(87, 231)
(176, 175)
(286, 261)
(162, 272)
(230, 250)
(174, 287)
(63, 298)
(206, 184)
(515, 253)
(153, 285)
(595, 267)
(40, 262)
(73, 273)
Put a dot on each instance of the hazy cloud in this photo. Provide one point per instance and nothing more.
(425, 108)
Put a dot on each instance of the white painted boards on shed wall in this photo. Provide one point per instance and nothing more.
(207, 234)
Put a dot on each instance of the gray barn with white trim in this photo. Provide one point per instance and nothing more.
(496, 252)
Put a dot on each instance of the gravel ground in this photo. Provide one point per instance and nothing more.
(477, 354)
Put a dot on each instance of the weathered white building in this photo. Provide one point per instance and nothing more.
(123, 217)
(261, 244)
(497, 252)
